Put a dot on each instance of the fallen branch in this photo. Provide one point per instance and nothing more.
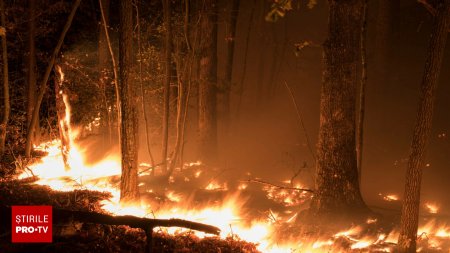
(278, 186)
(62, 216)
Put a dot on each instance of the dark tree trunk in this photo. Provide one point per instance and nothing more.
(230, 39)
(104, 67)
(410, 209)
(31, 68)
(208, 83)
(337, 176)
(129, 191)
(385, 25)
(168, 66)
(6, 104)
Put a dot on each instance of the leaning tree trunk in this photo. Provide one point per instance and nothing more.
(129, 191)
(104, 67)
(7, 108)
(207, 123)
(168, 59)
(43, 87)
(337, 176)
(411, 203)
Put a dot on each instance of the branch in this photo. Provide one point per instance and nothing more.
(278, 186)
(428, 6)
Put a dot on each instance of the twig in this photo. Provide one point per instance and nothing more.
(300, 118)
(428, 6)
(278, 186)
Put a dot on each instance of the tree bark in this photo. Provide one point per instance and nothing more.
(411, 203)
(337, 176)
(7, 107)
(43, 87)
(168, 59)
(208, 83)
(230, 39)
(129, 191)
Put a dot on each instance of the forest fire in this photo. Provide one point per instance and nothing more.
(227, 213)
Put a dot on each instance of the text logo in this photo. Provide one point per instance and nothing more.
(31, 224)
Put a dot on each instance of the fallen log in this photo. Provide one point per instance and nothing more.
(63, 216)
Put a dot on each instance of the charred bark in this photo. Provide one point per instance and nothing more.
(411, 203)
(337, 176)
(63, 117)
(207, 124)
(129, 191)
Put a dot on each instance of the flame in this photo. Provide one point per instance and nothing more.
(230, 215)
(432, 207)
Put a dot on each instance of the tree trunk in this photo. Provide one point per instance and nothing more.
(43, 88)
(7, 108)
(411, 203)
(104, 67)
(63, 116)
(208, 83)
(31, 68)
(168, 59)
(230, 39)
(337, 176)
(129, 191)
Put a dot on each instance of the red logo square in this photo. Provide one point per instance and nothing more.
(31, 224)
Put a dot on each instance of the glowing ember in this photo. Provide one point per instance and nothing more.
(432, 208)
(391, 197)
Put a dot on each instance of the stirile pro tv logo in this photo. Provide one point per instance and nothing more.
(31, 224)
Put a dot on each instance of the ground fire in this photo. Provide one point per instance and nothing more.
(224, 126)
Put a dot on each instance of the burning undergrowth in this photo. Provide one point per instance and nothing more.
(245, 208)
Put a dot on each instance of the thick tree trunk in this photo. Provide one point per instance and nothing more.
(422, 129)
(168, 66)
(43, 87)
(129, 191)
(337, 176)
(6, 104)
(208, 83)
(230, 39)
(104, 67)
(31, 68)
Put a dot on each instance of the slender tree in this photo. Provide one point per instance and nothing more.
(411, 203)
(31, 67)
(230, 39)
(129, 191)
(362, 93)
(208, 82)
(104, 66)
(337, 188)
(43, 86)
(168, 65)
(7, 107)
